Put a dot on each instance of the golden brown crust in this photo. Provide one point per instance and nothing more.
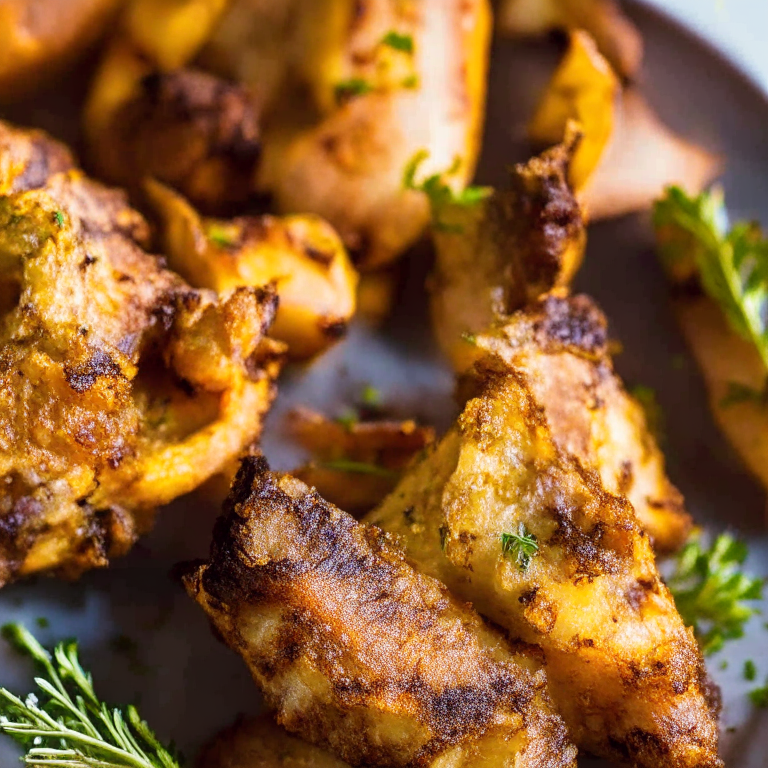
(354, 649)
(190, 130)
(624, 671)
(560, 346)
(120, 386)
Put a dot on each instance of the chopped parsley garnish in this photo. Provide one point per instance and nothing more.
(654, 415)
(410, 82)
(59, 217)
(371, 397)
(398, 41)
(221, 236)
(470, 338)
(759, 697)
(439, 192)
(42, 622)
(66, 725)
(741, 393)
(349, 418)
(712, 593)
(731, 263)
(750, 670)
(520, 546)
(358, 467)
(347, 89)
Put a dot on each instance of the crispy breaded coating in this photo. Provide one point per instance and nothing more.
(495, 257)
(259, 743)
(511, 522)
(560, 346)
(355, 650)
(120, 386)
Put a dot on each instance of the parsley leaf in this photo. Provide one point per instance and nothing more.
(398, 41)
(712, 593)
(520, 546)
(732, 264)
(750, 670)
(347, 89)
(358, 467)
(741, 393)
(59, 217)
(759, 697)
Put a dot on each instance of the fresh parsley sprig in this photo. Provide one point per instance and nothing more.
(712, 592)
(732, 264)
(520, 546)
(66, 725)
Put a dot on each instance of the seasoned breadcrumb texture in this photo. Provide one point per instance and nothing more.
(560, 346)
(496, 256)
(120, 386)
(355, 650)
(624, 671)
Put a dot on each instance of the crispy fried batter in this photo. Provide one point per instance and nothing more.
(358, 652)
(259, 743)
(627, 155)
(302, 255)
(188, 129)
(120, 386)
(495, 257)
(382, 449)
(623, 670)
(560, 346)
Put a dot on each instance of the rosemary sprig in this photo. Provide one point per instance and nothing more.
(65, 724)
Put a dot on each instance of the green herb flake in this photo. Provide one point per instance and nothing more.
(65, 724)
(712, 593)
(221, 236)
(398, 41)
(42, 622)
(520, 546)
(358, 467)
(59, 218)
(371, 397)
(731, 263)
(348, 89)
(759, 697)
(348, 418)
(737, 392)
(654, 415)
(750, 670)
(443, 531)
(411, 82)
(470, 338)
(724, 664)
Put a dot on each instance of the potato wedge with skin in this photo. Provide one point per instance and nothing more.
(355, 650)
(376, 105)
(496, 256)
(627, 156)
(616, 36)
(355, 465)
(624, 671)
(301, 255)
(39, 38)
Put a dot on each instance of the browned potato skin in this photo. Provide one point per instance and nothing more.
(260, 743)
(355, 650)
(346, 164)
(188, 129)
(494, 258)
(388, 446)
(121, 387)
(38, 38)
(590, 413)
(624, 672)
(301, 255)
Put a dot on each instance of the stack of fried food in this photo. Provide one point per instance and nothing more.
(499, 603)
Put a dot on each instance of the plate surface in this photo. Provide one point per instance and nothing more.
(144, 639)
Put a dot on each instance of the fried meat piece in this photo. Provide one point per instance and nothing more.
(511, 522)
(302, 255)
(355, 650)
(560, 346)
(120, 386)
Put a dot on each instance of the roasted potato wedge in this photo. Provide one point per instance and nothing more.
(511, 522)
(39, 38)
(616, 36)
(381, 80)
(301, 255)
(355, 650)
(122, 387)
(627, 156)
(356, 464)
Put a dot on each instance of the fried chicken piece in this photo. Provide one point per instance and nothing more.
(617, 37)
(39, 38)
(120, 386)
(494, 257)
(356, 464)
(357, 651)
(302, 255)
(560, 346)
(259, 743)
(627, 155)
(511, 522)
(355, 89)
